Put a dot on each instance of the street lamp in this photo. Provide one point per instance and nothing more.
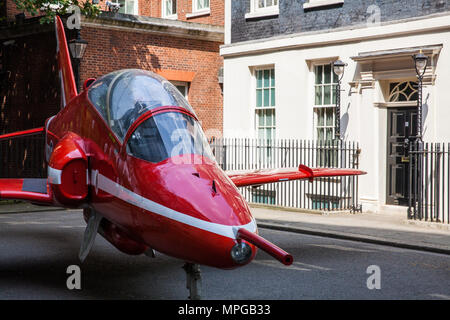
(338, 68)
(420, 61)
(77, 48)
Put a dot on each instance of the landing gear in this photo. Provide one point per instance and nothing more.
(93, 223)
(193, 280)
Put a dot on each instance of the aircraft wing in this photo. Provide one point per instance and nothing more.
(32, 190)
(263, 176)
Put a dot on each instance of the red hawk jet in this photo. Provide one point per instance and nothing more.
(129, 151)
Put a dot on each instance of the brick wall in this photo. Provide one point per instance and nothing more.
(152, 8)
(110, 50)
(293, 18)
(11, 10)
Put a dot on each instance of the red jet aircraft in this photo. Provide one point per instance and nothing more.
(130, 152)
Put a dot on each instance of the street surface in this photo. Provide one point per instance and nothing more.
(37, 248)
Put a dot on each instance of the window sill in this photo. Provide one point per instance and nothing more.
(321, 3)
(262, 14)
(198, 14)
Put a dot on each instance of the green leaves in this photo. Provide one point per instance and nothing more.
(50, 8)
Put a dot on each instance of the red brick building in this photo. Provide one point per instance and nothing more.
(178, 39)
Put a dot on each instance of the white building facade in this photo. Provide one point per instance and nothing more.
(282, 85)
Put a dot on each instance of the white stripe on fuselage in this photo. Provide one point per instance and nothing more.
(126, 195)
(54, 175)
(99, 181)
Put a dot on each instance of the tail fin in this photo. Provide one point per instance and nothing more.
(68, 87)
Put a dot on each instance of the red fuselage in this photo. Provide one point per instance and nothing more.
(189, 209)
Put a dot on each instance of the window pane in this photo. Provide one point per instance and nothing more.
(329, 134)
(272, 78)
(174, 6)
(329, 116)
(266, 97)
(260, 133)
(269, 133)
(261, 4)
(269, 118)
(318, 100)
(268, 3)
(326, 95)
(182, 89)
(122, 7)
(320, 117)
(258, 97)
(260, 116)
(259, 79)
(327, 73)
(333, 93)
(130, 7)
(318, 74)
(266, 78)
(320, 133)
(272, 97)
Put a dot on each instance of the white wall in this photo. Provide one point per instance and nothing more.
(367, 123)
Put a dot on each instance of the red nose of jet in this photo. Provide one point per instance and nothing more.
(193, 211)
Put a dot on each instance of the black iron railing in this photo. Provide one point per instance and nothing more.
(326, 194)
(429, 181)
(23, 156)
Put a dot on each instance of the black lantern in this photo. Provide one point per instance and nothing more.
(77, 48)
(338, 68)
(420, 63)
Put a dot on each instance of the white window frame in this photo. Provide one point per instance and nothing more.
(256, 12)
(182, 84)
(262, 108)
(163, 11)
(317, 108)
(135, 6)
(199, 11)
(320, 3)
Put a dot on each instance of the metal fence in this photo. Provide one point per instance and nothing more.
(325, 194)
(429, 181)
(23, 157)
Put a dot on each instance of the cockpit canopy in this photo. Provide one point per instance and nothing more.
(122, 96)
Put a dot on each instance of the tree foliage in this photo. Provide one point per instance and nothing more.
(50, 8)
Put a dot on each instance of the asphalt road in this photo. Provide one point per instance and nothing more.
(37, 248)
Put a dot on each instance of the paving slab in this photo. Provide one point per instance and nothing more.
(387, 228)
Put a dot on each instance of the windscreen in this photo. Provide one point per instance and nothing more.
(169, 135)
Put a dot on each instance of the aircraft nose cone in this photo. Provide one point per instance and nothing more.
(205, 192)
(200, 211)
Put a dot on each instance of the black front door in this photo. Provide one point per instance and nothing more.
(402, 125)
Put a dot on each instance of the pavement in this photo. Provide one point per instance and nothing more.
(386, 228)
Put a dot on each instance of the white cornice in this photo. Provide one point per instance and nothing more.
(438, 22)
